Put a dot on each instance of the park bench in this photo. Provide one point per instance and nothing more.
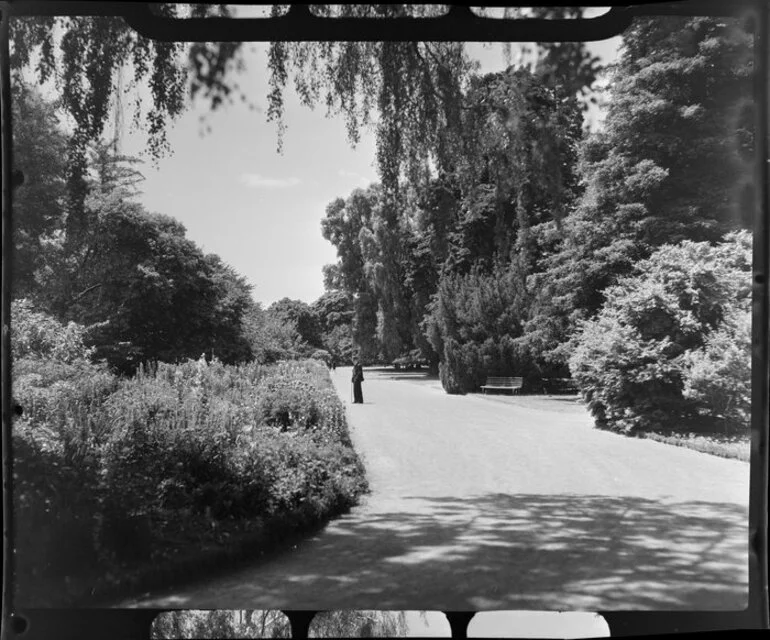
(410, 362)
(503, 384)
(559, 385)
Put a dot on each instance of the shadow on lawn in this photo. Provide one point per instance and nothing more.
(501, 551)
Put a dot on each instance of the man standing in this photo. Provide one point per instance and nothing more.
(358, 378)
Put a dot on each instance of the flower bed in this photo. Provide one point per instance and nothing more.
(115, 477)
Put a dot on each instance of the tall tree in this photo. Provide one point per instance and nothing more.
(333, 308)
(302, 316)
(410, 92)
(517, 166)
(411, 86)
(569, 65)
(270, 336)
(39, 153)
(114, 172)
(86, 54)
(349, 226)
(513, 167)
(143, 289)
(227, 340)
(335, 311)
(516, 174)
(672, 163)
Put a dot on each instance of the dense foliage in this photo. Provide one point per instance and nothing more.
(363, 624)
(146, 291)
(412, 93)
(492, 265)
(673, 162)
(334, 310)
(108, 466)
(39, 153)
(302, 316)
(275, 624)
(268, 623)
(113, 467)
(519, 176)
(670, 344)
(473, 324)
(512, 170)
(143, 291)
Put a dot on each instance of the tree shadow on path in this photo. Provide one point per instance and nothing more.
(500, 551)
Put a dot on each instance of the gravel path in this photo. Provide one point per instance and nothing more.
(492, 502)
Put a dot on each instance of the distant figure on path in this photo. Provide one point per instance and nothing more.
(358, 378)
(333, 363)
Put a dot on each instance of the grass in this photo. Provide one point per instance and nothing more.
(737, 447)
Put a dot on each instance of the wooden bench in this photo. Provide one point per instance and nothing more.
(408, 365)
(559, 385)
(503, 384)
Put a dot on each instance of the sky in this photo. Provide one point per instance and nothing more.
(259, 210)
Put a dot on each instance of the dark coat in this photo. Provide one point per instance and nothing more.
(358, 378)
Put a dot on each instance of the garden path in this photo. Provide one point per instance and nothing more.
(491, 502)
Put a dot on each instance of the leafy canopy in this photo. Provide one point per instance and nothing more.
(408, 91)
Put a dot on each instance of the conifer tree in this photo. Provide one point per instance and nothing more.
(673, 163)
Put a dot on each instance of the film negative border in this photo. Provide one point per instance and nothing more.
(459, 24)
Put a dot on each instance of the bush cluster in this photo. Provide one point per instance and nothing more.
(474, 325)
(119, 471)
(671, 346)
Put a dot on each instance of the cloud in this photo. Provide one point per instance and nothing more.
(360, 179)
(256, 181)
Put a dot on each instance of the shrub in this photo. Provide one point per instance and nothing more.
(669, 344)
(626, 381)
(271, 337)
(718, 375)
(473, 325)
(285, 401)
(339, 342)
(321, 355)
(301, 397)
(113, 467)
(288, 405)
(38, 335)
(55, 503)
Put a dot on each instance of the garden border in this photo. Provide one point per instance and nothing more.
(271, 537)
